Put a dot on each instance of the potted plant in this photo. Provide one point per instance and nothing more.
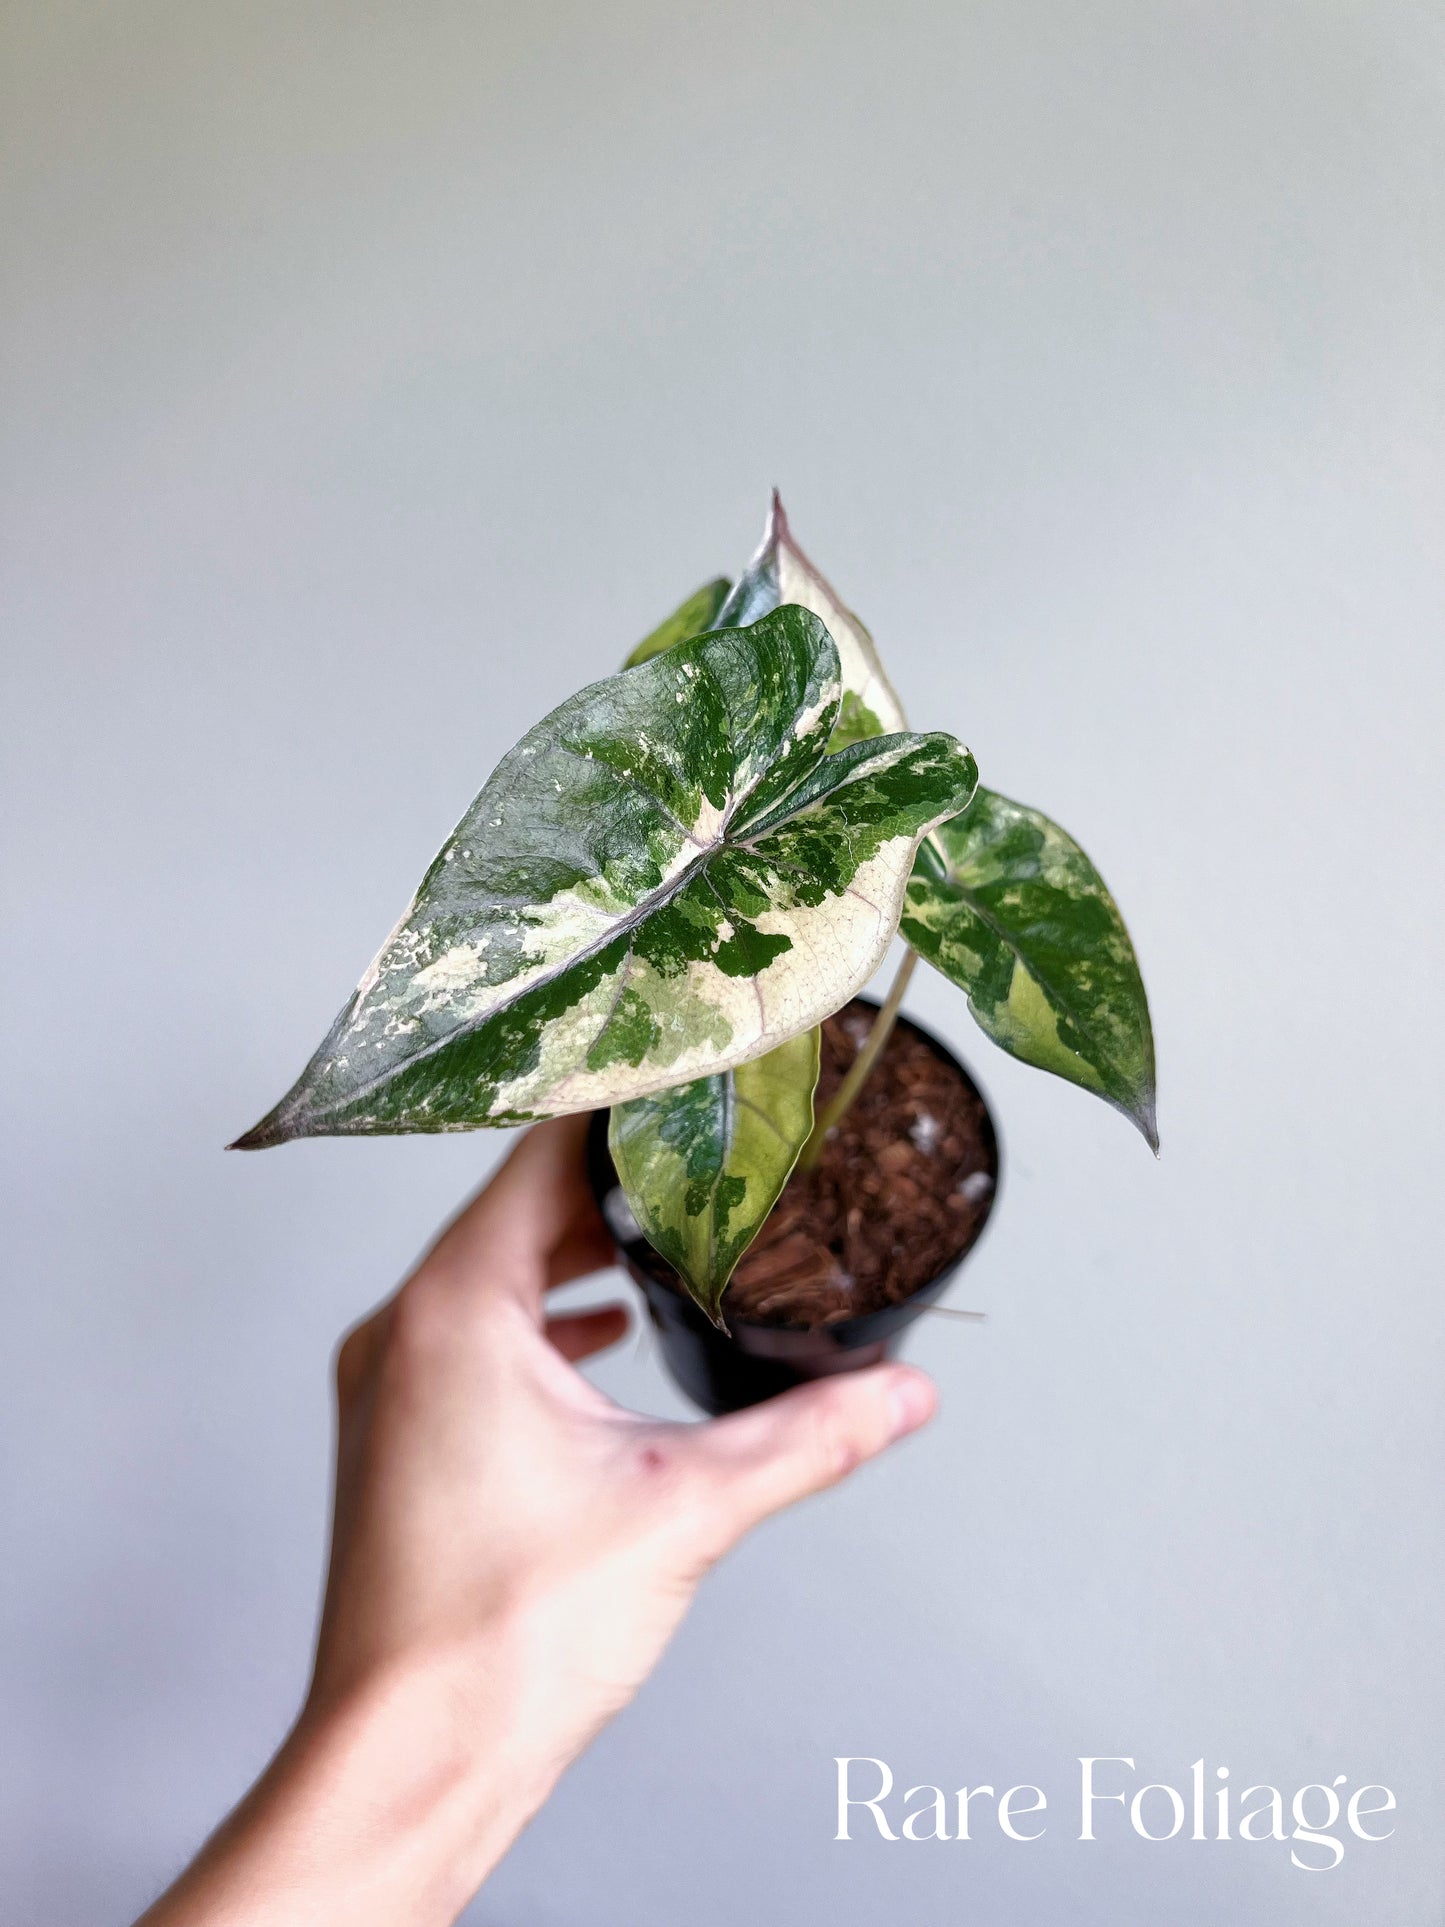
(662, 906)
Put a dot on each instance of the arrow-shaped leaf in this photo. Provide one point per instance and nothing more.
(1008, 906)
(666, 877)
(780, 573)
(704, 1163)
(688, 619)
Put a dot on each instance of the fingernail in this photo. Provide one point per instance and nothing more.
(911, 1399)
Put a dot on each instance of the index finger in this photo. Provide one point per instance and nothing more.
(509, 1230)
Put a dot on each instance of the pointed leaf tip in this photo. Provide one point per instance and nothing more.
(780, 573)
(1138, 1110)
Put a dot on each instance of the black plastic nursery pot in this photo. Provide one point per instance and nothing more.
(752, 1361)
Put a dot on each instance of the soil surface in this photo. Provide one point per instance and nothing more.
(903, 1188)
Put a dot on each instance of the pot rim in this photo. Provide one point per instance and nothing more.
(847, 1333)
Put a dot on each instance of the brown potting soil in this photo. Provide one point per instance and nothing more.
(903, 1187)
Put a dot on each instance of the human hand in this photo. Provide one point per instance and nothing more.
(510, 1553)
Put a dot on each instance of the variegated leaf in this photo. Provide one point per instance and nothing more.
(688, 619)
(703, 1163)
(1008, 906)
(780, 573)
(666, 877)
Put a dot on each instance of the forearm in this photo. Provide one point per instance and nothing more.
(510, 1554)
(390, 1807)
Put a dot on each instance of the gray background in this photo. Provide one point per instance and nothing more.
(374, 376)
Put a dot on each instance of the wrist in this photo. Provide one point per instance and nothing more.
(388, 1803)
(422, 1767)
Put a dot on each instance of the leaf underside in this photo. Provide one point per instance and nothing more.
(1008, 906)
(666, 876)
(704, 1163)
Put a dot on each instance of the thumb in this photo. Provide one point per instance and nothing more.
(771, 1455)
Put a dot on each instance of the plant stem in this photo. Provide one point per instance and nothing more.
(839, 1104)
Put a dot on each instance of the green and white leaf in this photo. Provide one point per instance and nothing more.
(780, 573)
(1008, 907)
(666, 877)
(688, 619)
(704, 1163)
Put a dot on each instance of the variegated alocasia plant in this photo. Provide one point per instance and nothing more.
(1001, 900)
(673, 878)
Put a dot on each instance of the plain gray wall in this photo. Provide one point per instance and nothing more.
(374, 377)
